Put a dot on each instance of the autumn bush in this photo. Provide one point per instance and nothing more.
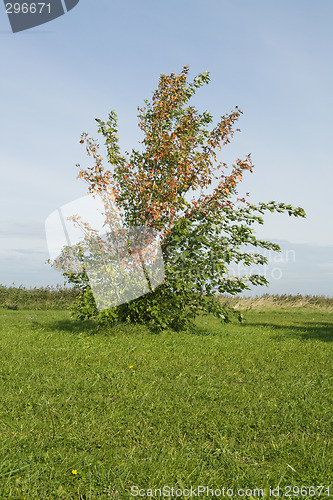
(166, 186)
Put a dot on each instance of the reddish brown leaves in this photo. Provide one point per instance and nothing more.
(179, 154)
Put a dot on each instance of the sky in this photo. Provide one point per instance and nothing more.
(271, 59)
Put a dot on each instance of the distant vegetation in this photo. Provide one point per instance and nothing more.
(61, 297)
(48, 297)
(284, 300)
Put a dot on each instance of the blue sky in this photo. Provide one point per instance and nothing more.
(272, 59)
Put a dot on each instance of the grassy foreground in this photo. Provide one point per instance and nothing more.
(88, 414)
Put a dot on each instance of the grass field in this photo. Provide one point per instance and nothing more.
(87, 414)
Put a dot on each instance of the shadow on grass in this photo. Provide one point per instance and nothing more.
(75, 326)
(306, 331)
(91, 327)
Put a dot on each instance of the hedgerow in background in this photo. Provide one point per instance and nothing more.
(164, 186)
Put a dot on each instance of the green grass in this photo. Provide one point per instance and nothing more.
(237, 406)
